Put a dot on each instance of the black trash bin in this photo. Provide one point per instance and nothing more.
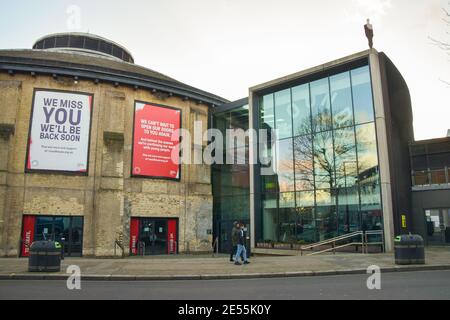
(409, 249)
(45, 256)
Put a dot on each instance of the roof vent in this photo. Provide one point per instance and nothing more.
(84, 42)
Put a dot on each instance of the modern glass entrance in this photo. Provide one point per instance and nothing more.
(66, 230)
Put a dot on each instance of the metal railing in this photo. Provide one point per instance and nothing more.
(431, 177)
(119, 244)
(364, 242)
(216, 247)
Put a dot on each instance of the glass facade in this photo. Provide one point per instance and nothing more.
(327, 174)
(231, 182)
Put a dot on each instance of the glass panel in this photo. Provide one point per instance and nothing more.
(287, 200)
(269, 184)
(270, 218)
(304, 167)
(239, 118)
(421, 178)
(76, 236)
(345, 157)
(301, 110)
(367, 147)
(283, 114)
(44, 228)
(324, 160)
(267, 112)
(285, 166)
(241, 208)
(288, 224)
(306, 229)
(419, 163)
(341, 100)
(362, 95)
(326, 218)
(320, 103)
(371, 219)
(348, 218)
(438, 177)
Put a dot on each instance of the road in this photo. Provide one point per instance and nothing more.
(401, 285)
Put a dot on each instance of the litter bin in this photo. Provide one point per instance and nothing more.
(409, 249)
(45, 256)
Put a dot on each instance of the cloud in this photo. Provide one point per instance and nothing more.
(373, 9)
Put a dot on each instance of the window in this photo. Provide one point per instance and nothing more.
(303, 163)
(301, 110)
(283, 114)
(341, 100)
(324, 165)
(320, 103)
(267, 112)
(362, 95)
(285, 166)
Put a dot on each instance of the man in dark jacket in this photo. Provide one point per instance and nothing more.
(241, 250)
(234, 240)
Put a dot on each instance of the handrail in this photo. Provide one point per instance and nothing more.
(119, 244)
(364, 242)
(338, 247)
(328, 241)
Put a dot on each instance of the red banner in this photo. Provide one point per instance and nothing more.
(27, 234)
(152, 145)
(134, 235)
(172, 236)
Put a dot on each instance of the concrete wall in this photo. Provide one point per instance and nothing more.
(108, 197)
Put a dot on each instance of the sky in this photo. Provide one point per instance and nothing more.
(227, 46)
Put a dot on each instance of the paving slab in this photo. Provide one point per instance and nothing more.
(207, 267)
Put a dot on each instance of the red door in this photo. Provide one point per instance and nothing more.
(29, 223)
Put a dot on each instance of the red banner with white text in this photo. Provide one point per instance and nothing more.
(29, 223)
(152, 143)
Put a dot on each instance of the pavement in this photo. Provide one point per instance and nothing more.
(184, 267)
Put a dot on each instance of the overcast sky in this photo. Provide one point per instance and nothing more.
(227, 46)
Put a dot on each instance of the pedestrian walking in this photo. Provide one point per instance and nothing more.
(234, 240)
(241, 250)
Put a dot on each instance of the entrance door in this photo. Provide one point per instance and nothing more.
(153, 236)
(66, 230)
(438, 226)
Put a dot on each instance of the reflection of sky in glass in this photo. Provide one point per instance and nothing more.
(331, 164)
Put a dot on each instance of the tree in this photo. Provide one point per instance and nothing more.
(444, 44)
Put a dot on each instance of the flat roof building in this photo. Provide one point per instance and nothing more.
(341, 162)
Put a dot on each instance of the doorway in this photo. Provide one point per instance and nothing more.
(438, 226)
(66, 230)
(153, 236)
